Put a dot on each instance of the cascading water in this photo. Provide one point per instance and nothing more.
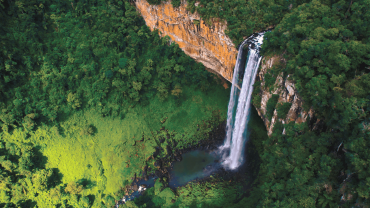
(235, 130)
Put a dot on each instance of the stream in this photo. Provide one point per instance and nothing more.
(196, 164)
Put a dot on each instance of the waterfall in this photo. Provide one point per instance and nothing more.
(235, 128)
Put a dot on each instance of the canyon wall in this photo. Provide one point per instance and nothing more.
(206, 44)
(284, 87)
(210, 46)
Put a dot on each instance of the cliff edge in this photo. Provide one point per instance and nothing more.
(206, 44)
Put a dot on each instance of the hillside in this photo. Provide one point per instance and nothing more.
(94, 96)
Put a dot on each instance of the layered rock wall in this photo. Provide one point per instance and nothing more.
(286, 90)
(206, 44)
(210, 46)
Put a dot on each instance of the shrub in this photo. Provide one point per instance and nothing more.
(256, 100)
(73, 188)
(176, 3)
(269, 81)
(270, 106)
(283, 109)
(88, 130)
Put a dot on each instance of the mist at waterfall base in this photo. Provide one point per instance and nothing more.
(199, 164)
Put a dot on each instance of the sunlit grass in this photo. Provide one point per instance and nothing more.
(106, 158)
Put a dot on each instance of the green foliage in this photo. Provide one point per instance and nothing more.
(215, 193)
(63, 65)
(327, 51)
(257, 101)
(270, 106)
(88, 130)
(155, 2)
(99, 57)
(167, 194)
(176, 3)
(243, 17)
(84, 88)
(73, 188)
(130, 204)
(158, 187)
(269, 81)
(271, 76)
(256, 96)
(283, 109)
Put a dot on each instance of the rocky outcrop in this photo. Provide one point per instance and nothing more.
(206, 44)
(285, 88)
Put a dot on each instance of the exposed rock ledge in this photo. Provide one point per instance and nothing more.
(206, 44)
(287, 93)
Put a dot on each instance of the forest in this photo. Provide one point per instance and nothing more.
(326, 45)
(86, 88)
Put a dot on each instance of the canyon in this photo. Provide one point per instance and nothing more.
(210, 45)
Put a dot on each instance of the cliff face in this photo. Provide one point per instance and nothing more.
(210, 46)
(206, 44)
(287, 93)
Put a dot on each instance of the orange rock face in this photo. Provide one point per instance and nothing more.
(206, 44)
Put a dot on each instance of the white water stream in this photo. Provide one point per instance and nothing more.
(235, 128)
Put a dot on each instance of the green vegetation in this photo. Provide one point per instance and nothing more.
(326, 45)
(85, 89)
(270, 106)
(196, 22)
(243, 17)
(102, 56)
(213, 193)
(283, 109)
(256, 94)
(176, 3)
(327, 50)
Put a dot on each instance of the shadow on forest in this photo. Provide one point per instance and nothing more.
(28, 204)
(56, 178)
(39, 160)
(86, 183)
(91, 198)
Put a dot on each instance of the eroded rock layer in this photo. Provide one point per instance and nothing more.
(206, 44)
(285, 88)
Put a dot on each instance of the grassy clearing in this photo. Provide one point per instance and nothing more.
(106, 157)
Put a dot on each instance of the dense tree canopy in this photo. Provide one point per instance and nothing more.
(58, 58)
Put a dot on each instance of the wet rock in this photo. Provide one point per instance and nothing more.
(178, 158)
(174, 143)
(158, 163)
(157, 150)
(135, 187)
(169, 150)
(158, 173)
